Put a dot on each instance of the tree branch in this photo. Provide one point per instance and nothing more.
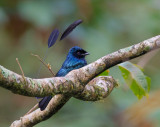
(97, 89)
(76, 83)
(76, 79)
(37, 116)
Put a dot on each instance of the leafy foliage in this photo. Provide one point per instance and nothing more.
(135, 79)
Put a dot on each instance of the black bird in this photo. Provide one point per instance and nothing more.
(74, 60)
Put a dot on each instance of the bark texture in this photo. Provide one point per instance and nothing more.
(81, 83)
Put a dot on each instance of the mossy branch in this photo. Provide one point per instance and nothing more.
(97, 89)
(76, 79)
(76, 83)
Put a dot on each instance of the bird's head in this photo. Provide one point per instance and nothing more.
(78, 52)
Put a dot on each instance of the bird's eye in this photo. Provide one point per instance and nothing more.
(78, 53)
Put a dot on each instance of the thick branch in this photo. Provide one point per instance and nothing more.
(33, 87)
(37, 116)
(72, 84)
(97, 89)
(88, 72)
(76, 79)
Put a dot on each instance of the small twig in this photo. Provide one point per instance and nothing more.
(47, 65)
(20, 69)
(32, 109)
(49, 68)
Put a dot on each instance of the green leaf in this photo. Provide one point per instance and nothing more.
(148, 82)
(135, 79)
(139, 67)
(104, 73)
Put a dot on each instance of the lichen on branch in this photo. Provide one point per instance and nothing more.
(76, 83)
(75, 80)
(97, 89)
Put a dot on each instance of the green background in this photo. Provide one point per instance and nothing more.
(109, 25)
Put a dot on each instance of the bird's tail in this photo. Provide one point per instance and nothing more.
(44, 102)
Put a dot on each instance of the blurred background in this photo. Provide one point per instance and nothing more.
(25, 26)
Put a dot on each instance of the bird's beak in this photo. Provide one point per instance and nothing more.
(86, 53)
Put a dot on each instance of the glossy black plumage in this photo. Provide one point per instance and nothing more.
(53, 38)
(74, 60)
(70, 28)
